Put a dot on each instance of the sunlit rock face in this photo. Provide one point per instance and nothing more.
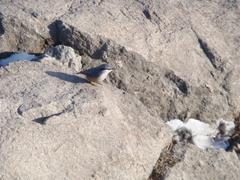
(171, 59)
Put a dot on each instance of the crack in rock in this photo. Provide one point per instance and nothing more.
(2, 31)
(216, 61)
(147, 14)
(225, 84)
(180, 83)
(210, 53)
(69, 36)
(234, 140)
(27, 106)
(171, 154)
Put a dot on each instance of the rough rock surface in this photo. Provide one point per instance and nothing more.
(66, 56)
(196, 41)
(208, 165)
(54, 125)
(173, 59)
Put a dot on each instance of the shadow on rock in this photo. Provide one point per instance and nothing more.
(66, 77)
(2, 30)
(54, 32)
(5, 54)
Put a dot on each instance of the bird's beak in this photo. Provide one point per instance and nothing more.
(110, 69)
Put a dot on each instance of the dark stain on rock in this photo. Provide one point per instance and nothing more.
(147, 14)
(2, 31)
(180, 83)
(171, 154)
(214, 59)
(234, 140)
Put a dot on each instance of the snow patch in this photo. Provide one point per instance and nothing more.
(17, 57)
(205, 135)
(176, 124)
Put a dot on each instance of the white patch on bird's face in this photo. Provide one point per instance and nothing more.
(104, 75)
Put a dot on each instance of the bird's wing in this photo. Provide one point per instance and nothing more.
(91, 72)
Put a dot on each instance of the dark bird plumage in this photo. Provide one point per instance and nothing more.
(97, 74)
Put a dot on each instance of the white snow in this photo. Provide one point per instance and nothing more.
(199, 128)
(17, 57)
(176, 124)
(221, 143)
(202, 141)
(204, 135)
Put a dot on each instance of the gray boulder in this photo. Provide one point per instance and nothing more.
(172, 59)
(57, 126)
(209, 165)
(66, 56)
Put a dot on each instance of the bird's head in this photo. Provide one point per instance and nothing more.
(106, 68)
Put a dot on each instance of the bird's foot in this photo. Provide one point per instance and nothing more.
(92, 83)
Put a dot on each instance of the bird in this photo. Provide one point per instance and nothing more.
(97, 74)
